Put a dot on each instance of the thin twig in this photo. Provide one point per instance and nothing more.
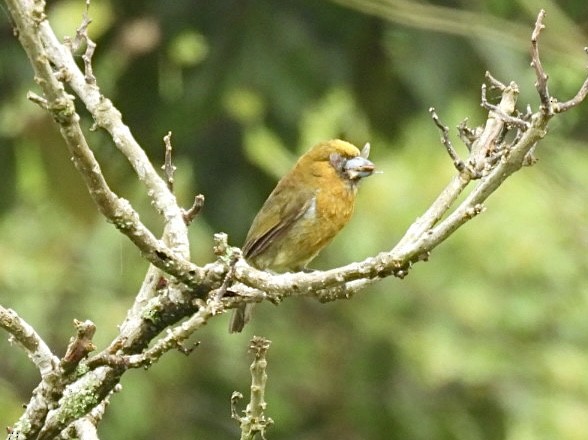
(90, 46)
(509, 119)
(493, 82)
(561, 107)
(168, 167)
(172, 340)
(194, 210)
(542, 77)
(457, 162)
(466, 134)
(80, 346)
(81, 38)
(486, 143)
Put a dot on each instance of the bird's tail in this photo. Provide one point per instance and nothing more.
(241, 316)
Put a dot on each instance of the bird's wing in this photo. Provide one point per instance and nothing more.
(278, 214)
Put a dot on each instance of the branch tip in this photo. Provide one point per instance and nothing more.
(190, 214)
(83, 37)
(254, 421)
(80, 346)
(39, 100)
(457, 162)
(168, 166)
(493, 82)
(539, 26)
(542, 77)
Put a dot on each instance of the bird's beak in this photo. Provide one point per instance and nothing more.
(359, 167)
(365, 151)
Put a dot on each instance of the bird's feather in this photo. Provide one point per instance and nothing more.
(277, 219)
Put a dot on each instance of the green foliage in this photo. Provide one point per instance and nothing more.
(487, 340)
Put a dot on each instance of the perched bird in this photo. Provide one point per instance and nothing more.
(304, 212)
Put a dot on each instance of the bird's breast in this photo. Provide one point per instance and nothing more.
(334, 204)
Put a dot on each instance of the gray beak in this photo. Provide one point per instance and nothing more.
(359, 167)
(365, 151)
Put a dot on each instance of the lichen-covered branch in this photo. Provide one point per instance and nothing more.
(254, 421)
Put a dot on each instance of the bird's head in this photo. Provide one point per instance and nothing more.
(343, 157)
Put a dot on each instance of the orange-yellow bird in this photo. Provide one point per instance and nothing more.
(304, 212)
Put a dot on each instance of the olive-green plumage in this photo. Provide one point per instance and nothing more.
(305, 211)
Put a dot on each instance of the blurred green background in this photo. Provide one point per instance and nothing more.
(488, 340)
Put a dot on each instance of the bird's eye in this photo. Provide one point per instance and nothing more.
(337, 161)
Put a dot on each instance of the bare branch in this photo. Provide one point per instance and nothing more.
(27, 338)
(172, 340)
(561, 107)
(39, 100)
(168, 166)
(80, 346)
(505, 117)
(579, 98)
(195, 209)
(542, 77)
(457, 162)
(81, 38)
(109, 118)
(494, 83)
(254, 421)
(467, 135)
(87, 57)
(117, 210)
(484, 146)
